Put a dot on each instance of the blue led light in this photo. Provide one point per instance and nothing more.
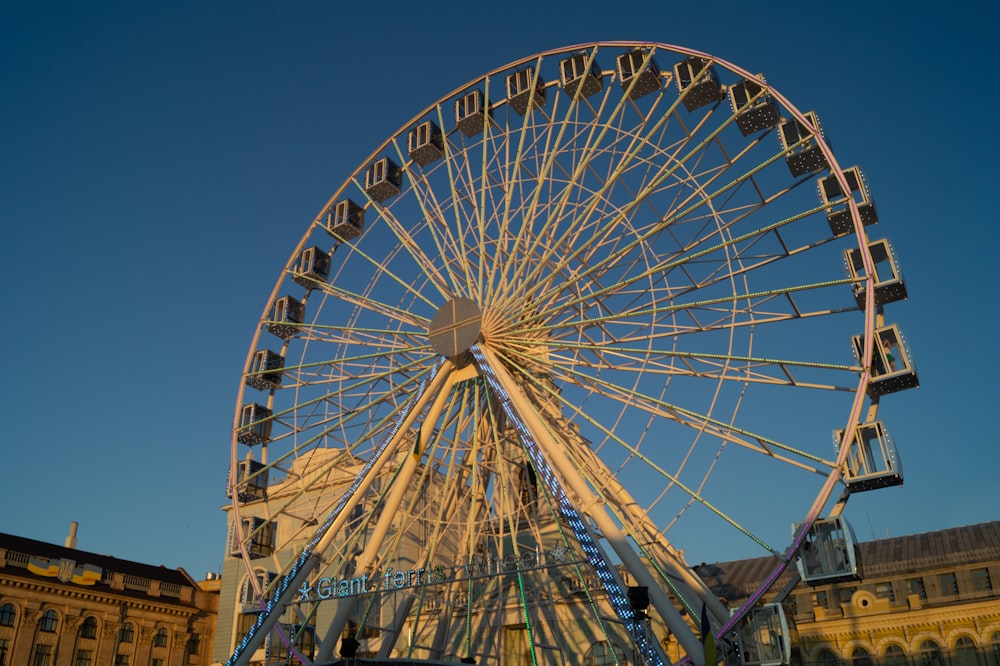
(288, 578)
(619, 603)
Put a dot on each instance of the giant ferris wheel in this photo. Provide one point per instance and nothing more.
(593, 313)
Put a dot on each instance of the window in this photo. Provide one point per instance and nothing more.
(160, 639)
(930, 654)
(7, 615)
(127, 634)
(604, 654)
(884, 591)
(194, 645)
(949, 585)
(43, 655)
(4, 648)
(48, 621)
(981, 580)
(826, 658)
(819, 599)
(846, 593)
(157, 662)
(995, 646)
(245, 621)
(894, 656)
(89, 628)
(915, 586)
(965, 652)
(121, 660)
(860, 657)
(83, 658)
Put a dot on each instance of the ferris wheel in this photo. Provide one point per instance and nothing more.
(579, 320)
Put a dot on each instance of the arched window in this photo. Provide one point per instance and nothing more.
(7, 615)
(604, 654)
(930, 654)
(127, 634)
(860, 657)
(48, 622)
(965, 652)
(160, 639)
(894, 655)
(995, 646)
(89, 628)
(827, 658)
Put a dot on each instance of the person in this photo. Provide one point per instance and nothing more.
(888, 348)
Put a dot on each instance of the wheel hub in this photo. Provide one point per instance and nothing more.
(455, 327)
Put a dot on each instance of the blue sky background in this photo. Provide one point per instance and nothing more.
(158, 162)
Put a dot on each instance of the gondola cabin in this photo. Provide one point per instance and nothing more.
(892, 366)
(838, 210)
(344, 220)
(312, 268)
(258, 538)
(887, 278)
(286, 315)
(265, 370)
(872, 461)
(697, 82)
(471, 113)
(525, 89)
(638, 73)
(802, 152)
(829, 553)
(575, 75)
(383, 179)
(425, 144)
(251, 481)
(755, 110)
(765, 637)
(255, 425)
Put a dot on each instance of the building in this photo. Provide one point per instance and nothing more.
(927, 600)
(60, 606)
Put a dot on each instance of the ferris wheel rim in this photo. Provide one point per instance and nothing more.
(357, 174)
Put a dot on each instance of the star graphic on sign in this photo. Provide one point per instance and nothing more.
(304, 591)
(559, 554)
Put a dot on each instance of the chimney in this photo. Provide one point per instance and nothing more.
(71, 538)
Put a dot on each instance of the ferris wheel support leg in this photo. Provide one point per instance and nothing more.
(369, 557)
(244, 651)
(555, 454)
(649, 534)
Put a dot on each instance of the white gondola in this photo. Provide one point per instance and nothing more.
(383, 179)
(255, 425)
(251, 481)
(697, 82)
(286, 314)
(265, 370)
(344, 220)
(574, 75)
(889, 284)
(471, 113)
(519, 90)
(425, 143)
(804, 155)
(872, 461)
(892, 365)
(765, 637)
(829, 552)
(839, 215)
(754, 109)
(312, 268)
(632, 74)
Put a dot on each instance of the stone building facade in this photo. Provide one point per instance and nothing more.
(923, 600)
(65, 607)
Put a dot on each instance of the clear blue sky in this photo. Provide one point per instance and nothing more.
(158, 162)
